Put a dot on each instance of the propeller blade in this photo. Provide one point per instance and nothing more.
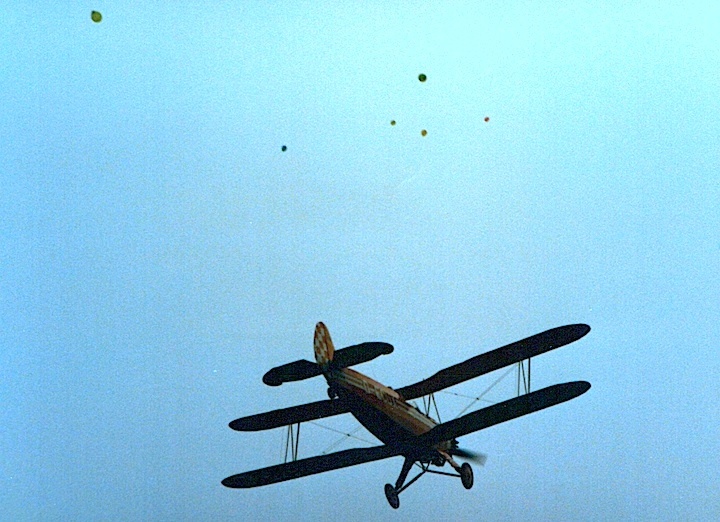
(474, 456)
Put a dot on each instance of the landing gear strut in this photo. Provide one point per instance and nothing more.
(392, 493)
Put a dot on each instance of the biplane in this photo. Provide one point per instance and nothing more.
(386, 413)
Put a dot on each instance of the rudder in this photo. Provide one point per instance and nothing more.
(324, 349)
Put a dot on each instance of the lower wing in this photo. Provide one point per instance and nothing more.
(502, 412)
(310, 466)
(421, 445)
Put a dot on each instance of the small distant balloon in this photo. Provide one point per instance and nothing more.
(392, 122)
(423, 132)
(96, 16)
(422, 77)
(283, 148)
(487, 118)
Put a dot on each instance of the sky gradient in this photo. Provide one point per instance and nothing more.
(160, 252)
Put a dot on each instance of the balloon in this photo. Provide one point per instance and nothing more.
(422, 77)
(96, 16)
(423, 132)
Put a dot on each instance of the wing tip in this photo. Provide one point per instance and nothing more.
(584, 386)
(271, 379)
(584, 328)
(564, 335)
(234, 482)
(569, 390)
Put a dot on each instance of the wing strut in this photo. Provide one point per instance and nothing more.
(292, 441)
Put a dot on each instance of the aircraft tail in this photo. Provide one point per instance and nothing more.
(324, 349)
(324, 355)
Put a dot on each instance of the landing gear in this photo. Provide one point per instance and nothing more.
(392, 496)
(392, 493)
(466, 475)
(332, 392)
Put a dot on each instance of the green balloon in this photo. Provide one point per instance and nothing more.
(96, 16)
(422, 77)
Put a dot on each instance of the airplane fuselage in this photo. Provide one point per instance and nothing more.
(379, 408)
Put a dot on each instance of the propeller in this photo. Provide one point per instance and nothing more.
(473, 456)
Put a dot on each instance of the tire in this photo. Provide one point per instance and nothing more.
(466, 476)
(392, 496)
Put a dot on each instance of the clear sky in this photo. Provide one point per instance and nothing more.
(159, 251)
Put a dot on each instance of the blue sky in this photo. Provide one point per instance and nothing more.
(160, 252)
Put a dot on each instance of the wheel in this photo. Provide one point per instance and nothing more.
(392, 496)
(332, 393)
(466, 475)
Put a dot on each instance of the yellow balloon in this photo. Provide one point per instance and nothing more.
(423, 132)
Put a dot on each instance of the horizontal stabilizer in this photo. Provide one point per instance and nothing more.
(503, 411)
(294, 371)
(310, 466)
(343, 358)
(495, 359)
(360, 353)
(287, 416)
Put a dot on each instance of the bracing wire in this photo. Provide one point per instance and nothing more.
(466, 396)
(480, 397)
(346, 435)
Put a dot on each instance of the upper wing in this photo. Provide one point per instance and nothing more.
(479, 365)
(495, 359)
(501, 412)
(286, 416)
(310, 466)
